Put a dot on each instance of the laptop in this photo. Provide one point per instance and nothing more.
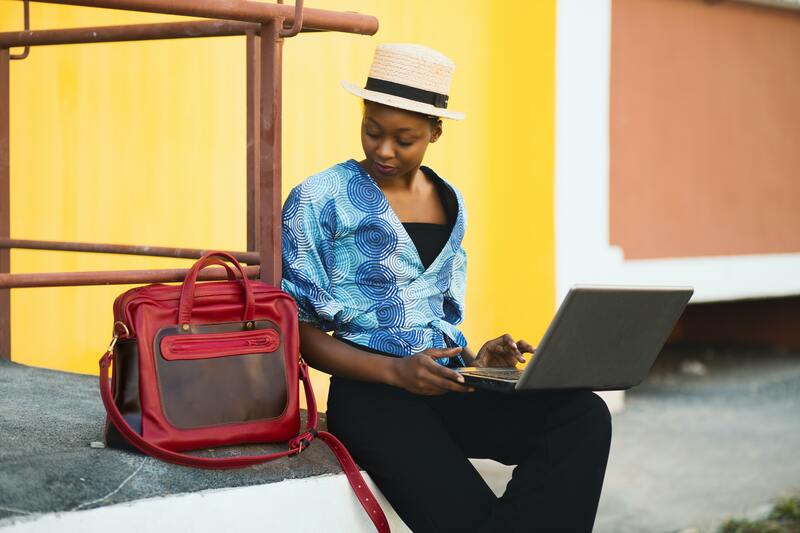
(601, 338)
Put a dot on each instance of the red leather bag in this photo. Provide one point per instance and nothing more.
(212, 364)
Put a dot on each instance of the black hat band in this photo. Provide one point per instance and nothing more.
(408, 92)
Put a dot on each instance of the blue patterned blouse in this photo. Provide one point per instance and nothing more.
(352, 268)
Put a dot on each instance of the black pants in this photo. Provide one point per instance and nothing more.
(415, 448)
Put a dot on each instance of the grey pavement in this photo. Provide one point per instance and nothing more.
(711, 435)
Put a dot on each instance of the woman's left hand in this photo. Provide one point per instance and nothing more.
(502, 351)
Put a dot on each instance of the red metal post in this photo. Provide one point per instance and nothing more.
(253, 62)
(5, 205)
(270, 171)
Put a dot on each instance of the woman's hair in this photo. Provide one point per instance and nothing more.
(434, 120)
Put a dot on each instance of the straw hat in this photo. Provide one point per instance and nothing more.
(411, 77)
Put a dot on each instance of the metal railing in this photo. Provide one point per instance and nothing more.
(264, 27)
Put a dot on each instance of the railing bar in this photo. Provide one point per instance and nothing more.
(240, 10)
(113, 277)
(251, 258)
(129, 32)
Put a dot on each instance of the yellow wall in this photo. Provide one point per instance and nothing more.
(143, 143)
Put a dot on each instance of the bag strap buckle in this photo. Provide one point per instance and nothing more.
(304, 441)
(116, 335)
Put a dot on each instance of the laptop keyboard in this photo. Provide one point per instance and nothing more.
(502, 373)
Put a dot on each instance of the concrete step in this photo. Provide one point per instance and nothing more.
(53, 479)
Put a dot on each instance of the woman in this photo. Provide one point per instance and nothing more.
(372, 251)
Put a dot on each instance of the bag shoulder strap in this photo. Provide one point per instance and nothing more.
(296, 445)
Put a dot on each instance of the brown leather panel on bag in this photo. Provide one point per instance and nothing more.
(210, 380)
(126, 392)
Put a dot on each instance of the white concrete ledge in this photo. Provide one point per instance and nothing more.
(321, 503)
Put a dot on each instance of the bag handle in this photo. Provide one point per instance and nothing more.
(219, 262)
(296, 445)
(187, 291)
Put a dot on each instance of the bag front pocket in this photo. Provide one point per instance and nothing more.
(222, 374)
(203, 346)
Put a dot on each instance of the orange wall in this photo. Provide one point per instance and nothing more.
(704, 129)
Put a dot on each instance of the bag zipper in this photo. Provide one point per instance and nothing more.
(212, 345)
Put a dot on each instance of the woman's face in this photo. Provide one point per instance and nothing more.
(395, 140)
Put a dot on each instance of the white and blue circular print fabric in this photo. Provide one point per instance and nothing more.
(353, 269)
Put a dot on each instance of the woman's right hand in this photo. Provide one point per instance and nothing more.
(421, 374)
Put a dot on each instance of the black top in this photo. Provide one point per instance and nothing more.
(429, 239)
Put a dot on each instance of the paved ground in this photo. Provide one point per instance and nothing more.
(712, 434)
(691, 450)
